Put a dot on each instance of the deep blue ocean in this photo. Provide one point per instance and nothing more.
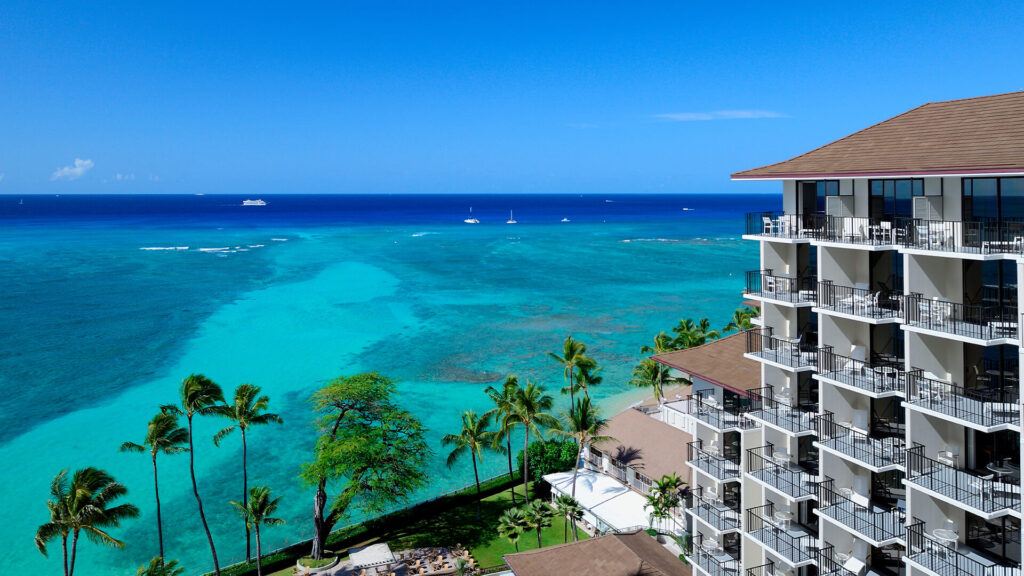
(109, 301)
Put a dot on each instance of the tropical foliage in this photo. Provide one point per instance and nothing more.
(512, 524)
(664, 496)
(257, 511)
(583, 425)
(158, 567)
(473, 439)
(570, 509)
(548, 456)
(574, 353)
(504, 415)
(653, 375)
(532, 406)
(538, 517)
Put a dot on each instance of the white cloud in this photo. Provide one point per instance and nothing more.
(720, 115)
(124, 177)
(74, 172)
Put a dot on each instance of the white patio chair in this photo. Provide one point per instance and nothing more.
(770, 227)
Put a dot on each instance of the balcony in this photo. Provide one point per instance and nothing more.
(707, 410)
(715, 513)
(830, 563)
(762, 570)
(862, 231)
(710, 461)
(762, 284)
(709, 556)
(877, 379)
(776, 469)
(980, 324)
(986, 494)
(789, 353)
(987, 409)
(876, 524)
(972, 237)
(773, 529)
(785, 227)
(860, 302)
(779, 413)
(844, 439)
(941, 559)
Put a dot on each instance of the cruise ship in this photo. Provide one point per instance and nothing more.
(253, 203)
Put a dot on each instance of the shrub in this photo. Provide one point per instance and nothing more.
(547, 456)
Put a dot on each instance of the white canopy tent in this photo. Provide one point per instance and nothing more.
(607, 504)
(372, 555)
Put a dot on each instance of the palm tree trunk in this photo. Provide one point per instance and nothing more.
(159, 523)
(565, 528)
(245, 498)
(526, 465)
(576, 468)
(572, 388)
(74, 550)
(320, 525)
(539, 543)
(508, 444)
(199, 501)
(64, 545)
(477, 477)
(259, 551)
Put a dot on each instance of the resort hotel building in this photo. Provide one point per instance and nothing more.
(870, 421)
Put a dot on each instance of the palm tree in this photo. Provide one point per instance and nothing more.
(569, 508)
(157, 567)
(707, 332)
(162, 435)
(504, 417)
(83, 505)
(200, 396)
(653, 375)
(662, 343)
(532, 405)
(511, 525)
(538, 515)
(573, 353)
(664, 496)
(741, 319)
(257, 512)
(584, 425)
(587, 375)
(474, 438)
(247, 410)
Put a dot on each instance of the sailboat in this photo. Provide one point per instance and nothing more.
(511, 220)
(471, 220)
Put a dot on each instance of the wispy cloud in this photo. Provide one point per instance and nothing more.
(720, 115)
(73, 172)
(1, 176)
(123, 177)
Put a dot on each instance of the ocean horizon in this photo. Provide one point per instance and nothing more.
(111, 300)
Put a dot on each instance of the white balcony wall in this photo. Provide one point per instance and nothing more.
(842, 334)
(934, 276)
(940, 356)
(935, 512)
(936, 435)
(780, 258)
(706, 389)
(862, 199)
(843, 267)
(841, 539)
(781, 442)
(845, 404)
(782, 319)
(845, 474)
(952, 192)
(789, 204)
(779, 379)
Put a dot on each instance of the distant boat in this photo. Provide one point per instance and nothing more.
(471, 220)
(511, 220)
(21, 202)
(253, 203)
(565, 219)
(687, 209)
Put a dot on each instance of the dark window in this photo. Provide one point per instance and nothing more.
(891, 198)
(822, 188)
(993, 198)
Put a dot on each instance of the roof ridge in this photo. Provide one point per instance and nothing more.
(976, 97)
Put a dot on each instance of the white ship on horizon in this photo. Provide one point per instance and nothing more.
(256, 202)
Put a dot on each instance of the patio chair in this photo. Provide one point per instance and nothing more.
(770, 226)
(950, 456)
(856, 564)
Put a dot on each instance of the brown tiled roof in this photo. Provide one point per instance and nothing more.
(983, 135)
(719, 362)
(626, 554)
(650, 446)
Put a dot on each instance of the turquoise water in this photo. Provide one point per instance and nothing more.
(97, 332)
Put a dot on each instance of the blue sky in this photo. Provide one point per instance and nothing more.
(470, 97)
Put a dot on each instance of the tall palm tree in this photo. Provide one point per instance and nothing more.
(157, 567)
(257, 512)
(664, 496)
(511, 525)
(85, 504)
(573, 352)
(200, 396)
(706, 331)
(662, 343)
(532, 406)
(473, 439)
(248, 409)
(587, 376)
(539, 517)
(569, 508)
(162, 435)
(504, 412)
(584, 425)
(741, 319)
(653, 375)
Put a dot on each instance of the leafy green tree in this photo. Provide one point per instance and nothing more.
(690, 333)
(664, 496)
(511, 525)
(532, 406)
(473, 439)
(569, 508)
(583, 425)
(653, 375)
(538, 517)
(200, 396)
(257, 512)
(741, 319)
(504, 414)
(369, 445)
(573, 353)
(157, 567)
(85, 504)
(162, 435)
(548, 456)
(247, 409)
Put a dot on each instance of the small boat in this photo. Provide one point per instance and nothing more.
(471, 220)
(253, 203)
(511, 220)
(565, 219)
(21, 202)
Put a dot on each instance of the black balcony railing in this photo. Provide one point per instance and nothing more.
(863, 302)
(707, 410)
(985, 493)
(711, 461)
(872, 231)
(791, 352)
(1005, 236)
(782, 225)
(857, 444)
(794, 544)
(774, 468)
(712, 558)
(762, 570)
(985, 322)
(764, 407)
(715, 513)
(982, 406)
(879, 377)
(764, 284)
(875, 522)
(946, 560)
